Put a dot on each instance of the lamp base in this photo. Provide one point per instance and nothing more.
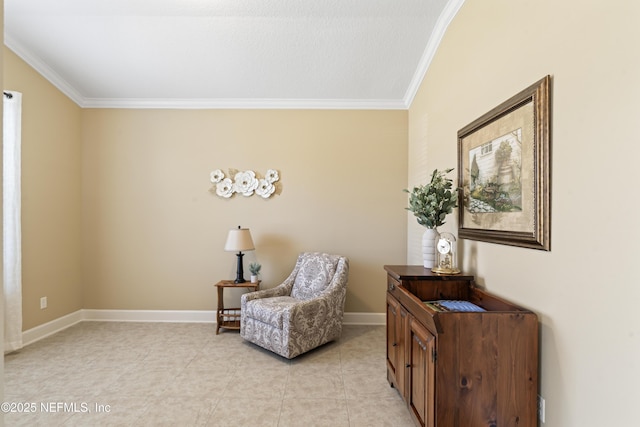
(239, 270)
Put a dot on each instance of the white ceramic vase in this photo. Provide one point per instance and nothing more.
(429, 248)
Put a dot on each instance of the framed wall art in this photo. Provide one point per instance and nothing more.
(504, 172)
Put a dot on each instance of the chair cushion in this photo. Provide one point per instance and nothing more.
(314, 276)
(269, 310)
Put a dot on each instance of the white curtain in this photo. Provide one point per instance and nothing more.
(12, 246)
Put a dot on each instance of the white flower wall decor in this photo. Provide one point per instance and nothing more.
(245, 183)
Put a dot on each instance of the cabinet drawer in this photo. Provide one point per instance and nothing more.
(412, 304)
(392, 285)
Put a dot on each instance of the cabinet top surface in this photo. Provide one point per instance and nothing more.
(418, 272)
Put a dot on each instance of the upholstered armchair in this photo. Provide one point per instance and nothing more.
(303, 312)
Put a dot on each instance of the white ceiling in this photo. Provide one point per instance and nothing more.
(230, 53)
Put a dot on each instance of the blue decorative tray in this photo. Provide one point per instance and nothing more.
(453, 305)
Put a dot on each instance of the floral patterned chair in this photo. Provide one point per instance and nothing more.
(303, 312)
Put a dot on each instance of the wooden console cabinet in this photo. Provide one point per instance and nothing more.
(460, 368)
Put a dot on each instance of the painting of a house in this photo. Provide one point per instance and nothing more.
(495, 174)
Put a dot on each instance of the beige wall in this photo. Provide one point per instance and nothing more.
(50, 195)
(153, 233)
(585, 290)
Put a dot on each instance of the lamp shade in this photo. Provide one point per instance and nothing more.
(239, 239)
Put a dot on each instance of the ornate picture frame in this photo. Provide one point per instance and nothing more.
(504, 172)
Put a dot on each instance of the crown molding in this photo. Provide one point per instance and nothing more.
(447, 15)
(247, 104)
(44, 70)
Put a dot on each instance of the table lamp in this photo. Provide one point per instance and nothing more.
(239, 240)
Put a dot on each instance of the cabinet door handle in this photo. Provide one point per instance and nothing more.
(391, 286)
(408, 365)
(394, 344)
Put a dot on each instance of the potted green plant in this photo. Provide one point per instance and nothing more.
(254, 268)
(431, 203)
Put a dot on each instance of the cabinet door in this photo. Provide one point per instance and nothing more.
(397, 321)
(393, 317)
(401, 331)
(421, 378)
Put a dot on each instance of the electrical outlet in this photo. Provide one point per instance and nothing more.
(43, 303)
(541, 408)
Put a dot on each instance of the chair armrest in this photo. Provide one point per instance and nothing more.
(312, 312)
(278, 291)
(308, 306)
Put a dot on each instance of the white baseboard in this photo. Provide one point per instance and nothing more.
(42, 331)
(365, 319)
(176, 316)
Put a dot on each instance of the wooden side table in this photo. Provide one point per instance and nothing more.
(229, 318)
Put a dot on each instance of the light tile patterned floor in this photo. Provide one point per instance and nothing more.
(182, 374)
